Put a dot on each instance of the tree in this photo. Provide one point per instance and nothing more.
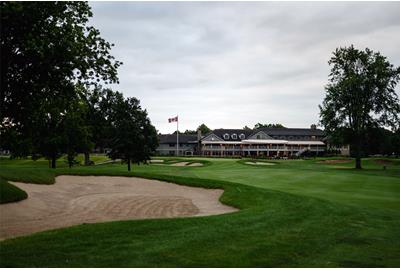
(96, 120)
(360, 94)
(77, 135)
(189, 132)
(259, 125)
(246, 128)
(134, 139)
(47, 50)
(204, 129)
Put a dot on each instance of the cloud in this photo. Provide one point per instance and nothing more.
(231, 64)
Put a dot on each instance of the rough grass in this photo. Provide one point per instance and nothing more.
(295, 214)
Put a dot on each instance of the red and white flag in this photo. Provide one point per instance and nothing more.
(173, 119)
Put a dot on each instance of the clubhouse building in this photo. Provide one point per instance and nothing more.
(267, 142)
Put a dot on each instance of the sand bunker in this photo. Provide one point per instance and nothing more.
(261, 163)
(195, 164)
(180, 164)
(156, 161)
(334, 161)
(75, 200)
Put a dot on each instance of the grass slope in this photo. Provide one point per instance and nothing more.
(11, 193)
(296, 214)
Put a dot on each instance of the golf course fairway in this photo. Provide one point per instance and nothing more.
(297, 213)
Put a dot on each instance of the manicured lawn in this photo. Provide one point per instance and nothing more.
(11, 193)
(294, 214)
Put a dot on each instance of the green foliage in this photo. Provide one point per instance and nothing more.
(246, 128)
(133, 138)
(10, 193)
(360, 94)
(259, 125)
(189, 132)
(204, 129)
(48, 49)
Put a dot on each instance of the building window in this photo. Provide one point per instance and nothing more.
(171, 145)
(226, 136)
(234, 136)
(242, 136)
(258, 136)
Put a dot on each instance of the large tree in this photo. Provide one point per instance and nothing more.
(133, 137)
(47, 49)
(360, 94)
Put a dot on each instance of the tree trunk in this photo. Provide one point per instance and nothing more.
(358, 155)
(358, 162)
(87, 158)
(129, 164)
(53, 162)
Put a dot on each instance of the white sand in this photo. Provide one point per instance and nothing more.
(260, 163)
(75, 200)
(180, 164)
(196, 164)
(156, 161)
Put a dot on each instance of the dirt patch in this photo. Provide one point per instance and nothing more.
(74, 200)
(261, 163)
(335, 161)
(195, 164)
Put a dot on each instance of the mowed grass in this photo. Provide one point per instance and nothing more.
(294, 214)
(10, 193)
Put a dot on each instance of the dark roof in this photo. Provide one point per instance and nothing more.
(270, 131)
(292, 131)
(221, 131)
(171, 138)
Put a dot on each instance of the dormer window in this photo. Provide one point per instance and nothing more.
(242, 136)
(226, 136)
(234, 136)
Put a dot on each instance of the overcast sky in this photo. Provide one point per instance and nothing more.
(231, 64)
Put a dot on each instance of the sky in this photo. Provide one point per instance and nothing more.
(231, 64)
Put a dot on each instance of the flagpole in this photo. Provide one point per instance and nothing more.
(177, 135)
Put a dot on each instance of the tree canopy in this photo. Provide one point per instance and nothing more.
(48, 49)
(51, 99)
(259, 125)
(133, 138)
(204, 129)
(360, 95)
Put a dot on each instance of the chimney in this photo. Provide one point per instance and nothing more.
(313, 126)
